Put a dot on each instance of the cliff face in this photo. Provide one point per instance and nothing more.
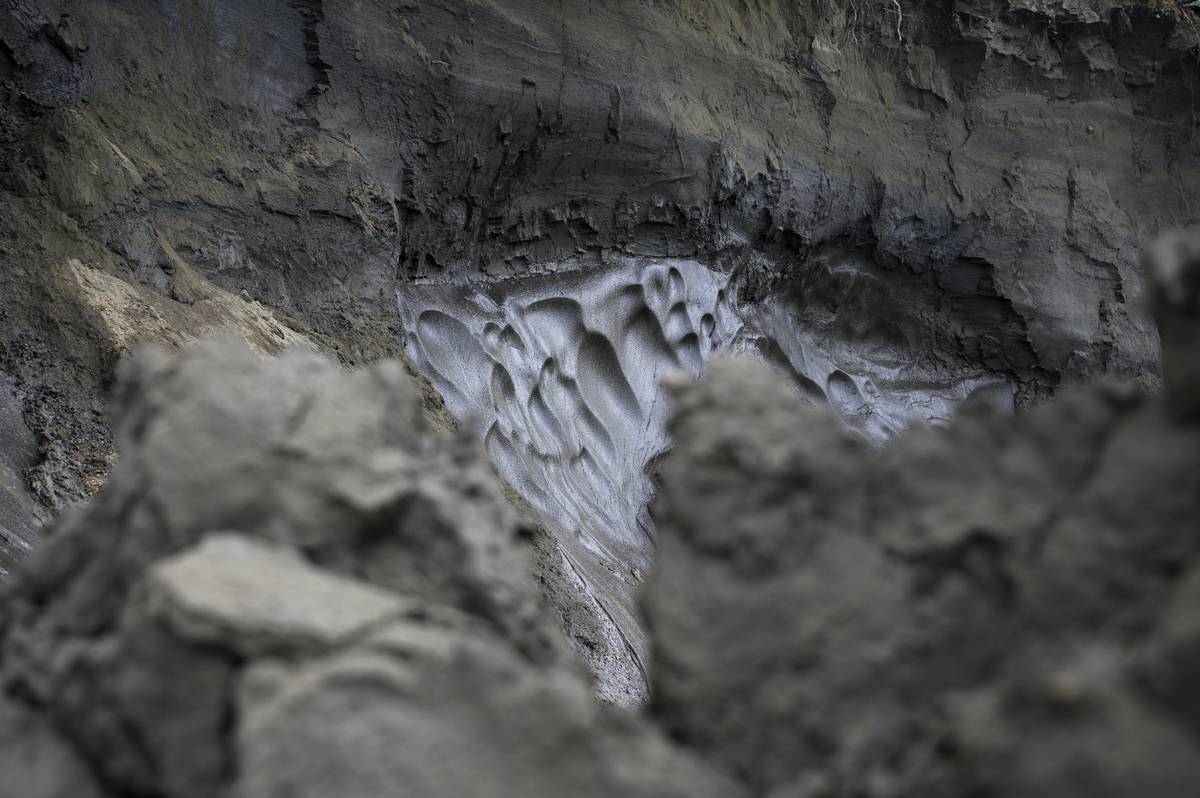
(289, 586)
(543, 208)
(943, 193)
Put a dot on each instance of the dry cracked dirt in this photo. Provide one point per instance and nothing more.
(764, 398)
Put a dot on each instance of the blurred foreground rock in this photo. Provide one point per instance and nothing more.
(1008, 607)
(288, 588)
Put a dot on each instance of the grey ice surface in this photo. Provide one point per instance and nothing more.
(559, 375)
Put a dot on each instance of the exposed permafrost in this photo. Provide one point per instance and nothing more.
(559, 376)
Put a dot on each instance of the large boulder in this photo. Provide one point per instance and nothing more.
(985, 607)
(289, 587)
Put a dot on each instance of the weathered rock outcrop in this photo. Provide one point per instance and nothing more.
(288, 587)
(1004, 607)
(906, 200)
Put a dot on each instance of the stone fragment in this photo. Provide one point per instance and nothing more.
(235, 592)
(830, 620)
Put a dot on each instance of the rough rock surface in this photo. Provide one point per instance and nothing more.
(288, 587)
(932, 191)
(1003, 607)
(970, 180)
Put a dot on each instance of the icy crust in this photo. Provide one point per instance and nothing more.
(560, 376)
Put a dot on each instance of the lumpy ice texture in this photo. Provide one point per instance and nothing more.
(560, 377)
